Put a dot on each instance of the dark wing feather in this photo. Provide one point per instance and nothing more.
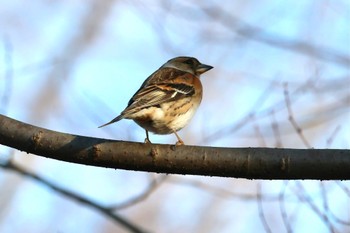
(158, 88)
(182, 88)
(157, 94)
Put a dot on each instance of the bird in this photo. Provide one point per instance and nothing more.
(168, 98)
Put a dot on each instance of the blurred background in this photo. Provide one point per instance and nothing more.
(281, 78)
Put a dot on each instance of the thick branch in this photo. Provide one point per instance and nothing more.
(251, 163)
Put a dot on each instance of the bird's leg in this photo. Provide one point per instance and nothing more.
(147, 138)
(179, 141)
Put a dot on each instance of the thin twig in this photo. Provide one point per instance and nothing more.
(292, 119)
(276, 130)
(332, 136)
(8, 76)
(304, 197)
(153, 185)
(217, 191)
(343, 187)
(259, 135)
(283, 210)
(261, 209)
(106, 211)
(251, 32)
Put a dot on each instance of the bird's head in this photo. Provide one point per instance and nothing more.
(188, 64)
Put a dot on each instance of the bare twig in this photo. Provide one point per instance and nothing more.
(261, 209)
(247, 118)
(259, 135)
(326, 208)
(219, 191)
(343, 187)
(327, 111)
(304, 197)
(70, 50)
(283, 211)
(153, 185)
(292, 119)
(276, 131)
(332, 136)
(106, 211)
(258, 34)
(219, 14)
(347, 192)
(8, 76)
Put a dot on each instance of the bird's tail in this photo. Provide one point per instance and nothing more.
(118, 118)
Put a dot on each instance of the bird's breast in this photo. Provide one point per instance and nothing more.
(168, 117)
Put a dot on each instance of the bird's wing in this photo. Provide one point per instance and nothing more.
(156, 94)
(167, 84)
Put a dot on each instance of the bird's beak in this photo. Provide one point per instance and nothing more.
(203, 68)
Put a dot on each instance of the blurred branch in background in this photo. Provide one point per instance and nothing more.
(255, 33)
(8, 75)
(110, 213)
(209, 16)
(85, 33)
(292, 120)
(152, 186)
(325, 112)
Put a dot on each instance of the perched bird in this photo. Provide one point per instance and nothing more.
(168, 98)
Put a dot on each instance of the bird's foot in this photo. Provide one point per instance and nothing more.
(147, 141)
(179, 143)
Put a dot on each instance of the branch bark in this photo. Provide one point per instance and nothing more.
(251, 163)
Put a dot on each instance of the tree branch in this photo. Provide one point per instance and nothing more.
(104, 210)
(251, 163)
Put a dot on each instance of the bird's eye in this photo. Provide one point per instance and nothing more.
(189, 61)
